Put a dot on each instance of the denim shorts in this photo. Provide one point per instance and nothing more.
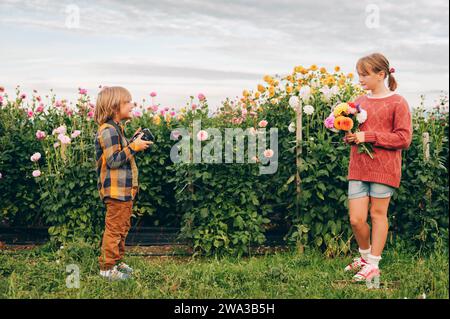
(357, 189)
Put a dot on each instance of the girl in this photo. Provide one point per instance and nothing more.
(117, 177)
(373, 181)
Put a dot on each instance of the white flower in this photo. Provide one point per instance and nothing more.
(305, 93)
(291, 127)
(294, 101)
(308, 109)
(361, 117)
(334, 90)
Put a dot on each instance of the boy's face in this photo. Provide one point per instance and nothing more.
(125, 110)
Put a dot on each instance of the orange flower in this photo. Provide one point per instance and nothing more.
(343, 123)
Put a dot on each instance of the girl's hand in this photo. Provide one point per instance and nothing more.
(358, 137)
(141, 145)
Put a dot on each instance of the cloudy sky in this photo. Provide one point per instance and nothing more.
(180, 48)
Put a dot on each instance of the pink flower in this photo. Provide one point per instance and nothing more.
(23, 96)
(253, 113)
(40, 135)
(137, 113)
(75, 133)
(68, 111)
(1, 99)
(263, 123)
(153, 94)
(30, 113)
(329, 121)
(58, 104)
(201, 97)
(38, 98)
(268, 153)
(176, 134)
(244, 112)
(194, 106)
(40, 108)
(202, 135)
(1, 176)
(162, 112)
(36, 173)
(60, 130)
(172, 113)
(82, 91)
(56, 144)
(91, 114)
(35, 157)
(166, 108)
(155, 108)
(64, 139)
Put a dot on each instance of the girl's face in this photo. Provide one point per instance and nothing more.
(125, 110)
(371, 80)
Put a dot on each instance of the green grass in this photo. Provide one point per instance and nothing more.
(36, 274)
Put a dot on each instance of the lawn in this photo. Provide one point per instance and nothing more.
(41, 273)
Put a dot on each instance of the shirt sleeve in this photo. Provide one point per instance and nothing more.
(401, 135)
(109, 141)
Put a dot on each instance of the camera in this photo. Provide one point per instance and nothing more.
(148, 136)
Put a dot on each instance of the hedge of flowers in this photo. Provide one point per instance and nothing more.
(48, 178)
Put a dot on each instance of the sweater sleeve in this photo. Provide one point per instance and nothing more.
(401, 135)
(115, 158)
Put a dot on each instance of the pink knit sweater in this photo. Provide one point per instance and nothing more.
(388, 127)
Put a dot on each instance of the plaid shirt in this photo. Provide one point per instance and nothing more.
(116, 167)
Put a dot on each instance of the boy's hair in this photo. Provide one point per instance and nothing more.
(108, 103)
(375, 63)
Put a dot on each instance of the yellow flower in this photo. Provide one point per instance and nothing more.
(341, 109)
(257, 95)
(341, 82)
(323, 70)
(268, 79)
(156, 120)
(289, 89)
(261, 88)
(350, 76)
(313, 67)
(337, 68)
(183, 110)
(290, 78)
(180, 117)
(271, 91)
(298, 69)
(245, 93)
(276, 82)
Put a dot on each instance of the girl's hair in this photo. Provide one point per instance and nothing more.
(108, 103)
(375, 63)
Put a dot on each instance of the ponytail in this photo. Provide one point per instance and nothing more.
(392, 82)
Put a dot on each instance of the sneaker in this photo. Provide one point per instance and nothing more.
(123, 267)
(113, 274)
(356, 265)
(367, 273)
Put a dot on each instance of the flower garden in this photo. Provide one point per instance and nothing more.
(48, 177)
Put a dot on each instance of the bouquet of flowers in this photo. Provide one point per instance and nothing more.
(343, 117)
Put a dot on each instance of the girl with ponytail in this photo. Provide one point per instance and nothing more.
(373, 181)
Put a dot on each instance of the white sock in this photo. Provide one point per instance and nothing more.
(374, 260)
(365, 253)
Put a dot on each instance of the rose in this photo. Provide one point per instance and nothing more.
(75, 133)
(36, 173)
(153, 94)
(202, 135)
(263, 123)
(268, 153)
(201, 97)
(82, 91)
(40, 135)
(35, 157)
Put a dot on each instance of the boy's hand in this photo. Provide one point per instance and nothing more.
(140, 145)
